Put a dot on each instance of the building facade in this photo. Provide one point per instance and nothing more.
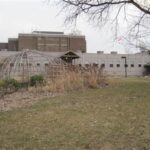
(13, 44)
(46, 41)
(113, 64)
(3, 46)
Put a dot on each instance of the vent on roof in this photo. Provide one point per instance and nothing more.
(113, 52)
(100, 52)
(47, 32)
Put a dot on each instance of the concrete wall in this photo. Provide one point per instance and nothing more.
(5, 54)
(115, 65)
(135, 62)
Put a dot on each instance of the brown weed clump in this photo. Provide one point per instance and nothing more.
(77, 79)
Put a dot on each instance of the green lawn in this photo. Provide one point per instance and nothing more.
(113, 118)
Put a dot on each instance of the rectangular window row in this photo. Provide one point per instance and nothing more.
(112, 65)
(126, 65)
(29, 64)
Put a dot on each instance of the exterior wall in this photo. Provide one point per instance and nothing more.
(64, 46)
(4, 54)
(77, 44)
(135, 62)
(52, 43)
(27, 42)
(3, 46)
(12, 44)
(46, 41)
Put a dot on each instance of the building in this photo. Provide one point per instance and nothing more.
(113, 64)
(13, 44)
(3, 46)
(46, 41)
(72, 49)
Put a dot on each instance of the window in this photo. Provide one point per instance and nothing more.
(102, 65)
(118, 65)
(111, 65)
(38, 64)
(132, 65)
(46, 65)
(140, 65)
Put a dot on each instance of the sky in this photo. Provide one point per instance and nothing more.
(25, 16)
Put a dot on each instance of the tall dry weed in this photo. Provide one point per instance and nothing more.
(76, 79)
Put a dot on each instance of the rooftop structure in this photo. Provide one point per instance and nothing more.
(47, 32)
(46, 41)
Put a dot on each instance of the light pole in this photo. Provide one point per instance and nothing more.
(125, 65)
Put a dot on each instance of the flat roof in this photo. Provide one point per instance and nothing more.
(50, 35)
(47, 32)
(12, 39)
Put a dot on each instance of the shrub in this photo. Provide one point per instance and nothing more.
(36, 80)
(10, 85)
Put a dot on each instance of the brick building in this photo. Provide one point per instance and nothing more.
(46, 41)
(3, 46)
(13, 44)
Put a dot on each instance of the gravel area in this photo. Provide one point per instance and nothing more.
(22, 99)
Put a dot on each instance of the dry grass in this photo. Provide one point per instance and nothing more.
(75, 80)
(112, 118)
(68, 82)
(71, 79)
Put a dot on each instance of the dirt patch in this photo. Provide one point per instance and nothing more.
(22, 99)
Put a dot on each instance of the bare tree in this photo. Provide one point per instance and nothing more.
(136, 13)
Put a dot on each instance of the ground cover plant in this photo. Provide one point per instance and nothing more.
(111, 118)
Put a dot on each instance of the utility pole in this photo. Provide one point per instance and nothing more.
(125, 65)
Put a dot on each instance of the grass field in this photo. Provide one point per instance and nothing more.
(113, 118)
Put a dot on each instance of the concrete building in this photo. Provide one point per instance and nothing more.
(118, 64)
(113, 64)
(46, 41)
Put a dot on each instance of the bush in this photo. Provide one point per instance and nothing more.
(36, 80)
(10, 85)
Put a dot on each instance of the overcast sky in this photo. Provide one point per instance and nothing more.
(23, 16)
